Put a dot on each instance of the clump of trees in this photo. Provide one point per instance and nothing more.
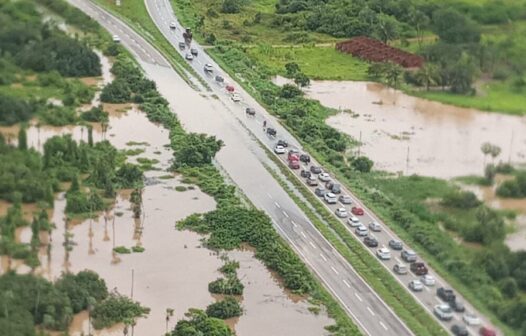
(15, 109)
(224, 309)
(116, 308)
(514, 188)
(95, 114)
(230, 284)
(199, 323)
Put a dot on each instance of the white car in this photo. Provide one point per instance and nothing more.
(235, 98)
(209, 67)
(471, 319)
(172, 25)
(374, 226)
(345, 199)
(354, 221)
(443, 311)
(341, 212)
(189, 56)
(279, 149)
(330, 198)
(361, 230)
(416, 285)
(116, 38)
(324, 177)
(428, 280)
(383, 253)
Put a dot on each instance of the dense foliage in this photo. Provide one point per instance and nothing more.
(198, 323)
(227, 308)
(39, 46)
(515, 188)
(116, 308)
(14, 109)
(28, 301)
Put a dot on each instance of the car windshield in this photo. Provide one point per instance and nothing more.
(445, 308)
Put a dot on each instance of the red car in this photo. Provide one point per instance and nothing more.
(230, 88)
(294, 164)
(485, 331)
(357, 211)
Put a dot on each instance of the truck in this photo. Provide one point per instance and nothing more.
(187, 35)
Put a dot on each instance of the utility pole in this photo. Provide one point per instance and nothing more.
(407, 162)
(360, 144)
(132, 281)
(511, 146)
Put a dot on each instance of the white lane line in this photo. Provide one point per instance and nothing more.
(383, 325)
(334, 270)
(276, 203)
(286, 214)
(358, 297)
(303, 234)
(324, 259)
(312, 244)
(370, 311)
(426, 288)
(438, 300)
(398, 260)
(294, 223)
(346, 283)
(269, 196)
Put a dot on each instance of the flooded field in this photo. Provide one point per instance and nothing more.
(174, 269)
(416, 136)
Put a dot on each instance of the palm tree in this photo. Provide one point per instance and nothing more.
(169, 313)
(486, 149)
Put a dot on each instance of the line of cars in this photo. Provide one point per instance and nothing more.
(331, 193)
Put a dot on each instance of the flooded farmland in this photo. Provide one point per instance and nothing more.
(416, 136)
(174, 269)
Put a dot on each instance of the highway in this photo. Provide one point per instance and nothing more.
(163, 15)
(242, 160)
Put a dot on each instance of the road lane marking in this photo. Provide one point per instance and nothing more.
(277, 205)
(358, 297)
(370, 311)
(324, 259)
(398, 260)
(334, 270)
(346, 283)
(312, 244)
(303, 234)
(383, 325)
(426, 288)
(438, 300)
(286, 214)
(294, 223)
(269, 196)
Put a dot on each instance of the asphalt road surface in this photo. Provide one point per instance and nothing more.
(242, 159)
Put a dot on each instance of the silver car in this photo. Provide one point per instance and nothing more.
(361, 231)
(374, 226)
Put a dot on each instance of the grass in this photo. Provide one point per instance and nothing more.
(316, 62)
(134, 12)
(121, 250)
(383, 283)
(497, 97)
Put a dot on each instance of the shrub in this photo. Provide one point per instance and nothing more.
(95, 114)
(289, 91)
(461, 199)
(114, 309)
(362, 164)
(225, 309)
(229, 286)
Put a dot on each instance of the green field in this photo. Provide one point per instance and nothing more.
(315, 62)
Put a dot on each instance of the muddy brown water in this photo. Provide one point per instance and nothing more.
(174, 270)
(417, 136)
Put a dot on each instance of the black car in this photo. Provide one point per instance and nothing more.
(271, 131)
(182, 45)
(457, 306)
(459, 330)
(219, 79)
(194, 51)
(304, 158)
(315, 169)
(252, 112)
(320, 191)
(370, 241)
(283, 143)
(446, 294)
(305, 173)
(395, 245)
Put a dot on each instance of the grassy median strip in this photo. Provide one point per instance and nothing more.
(136, 16)
(382, 282)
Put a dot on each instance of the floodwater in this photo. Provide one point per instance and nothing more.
(174, 270)
(417, 136)
(267, 310)
(517, 239)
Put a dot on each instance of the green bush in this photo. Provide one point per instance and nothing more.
(95, 114)
(515, 188)
(199, 323)
(229, 286)
(461, 199)
(224, 309)
(114, 309)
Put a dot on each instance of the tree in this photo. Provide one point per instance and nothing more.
(362, 164)
(419, 20)
(462, 74)
(495, 151)
(386, 28)
(227, 308)
(393, 72)
(22, 138)
(486, 150)
(375, 71)
(489, 173)
(231, 6)
(301, 79)
(427, 75)
(292, 69)
(453, 27)
(289, 91)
